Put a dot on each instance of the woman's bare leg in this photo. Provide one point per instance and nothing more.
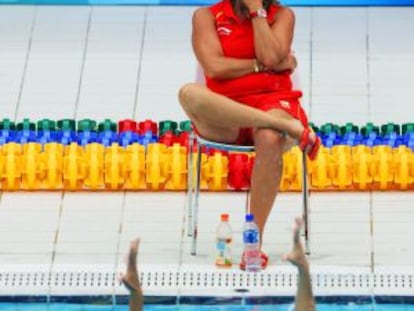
(267, 170)
(266, 174)
(131, 279)
(219, 118)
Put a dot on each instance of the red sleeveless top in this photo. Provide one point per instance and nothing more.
(236, 37)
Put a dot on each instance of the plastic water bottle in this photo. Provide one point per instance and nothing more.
(251, 240)
(223, 243)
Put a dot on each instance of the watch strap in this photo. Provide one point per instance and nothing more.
(258, 13)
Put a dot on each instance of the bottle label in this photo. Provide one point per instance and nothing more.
(252, 260)
(223, 258)
(251, 236)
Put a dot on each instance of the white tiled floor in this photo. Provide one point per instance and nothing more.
(356, 64)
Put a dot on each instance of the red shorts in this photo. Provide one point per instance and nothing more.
(286, 101)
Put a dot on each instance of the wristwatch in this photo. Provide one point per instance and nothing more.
(259, 13)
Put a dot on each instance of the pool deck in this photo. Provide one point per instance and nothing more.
(99, 62)
(368, 230)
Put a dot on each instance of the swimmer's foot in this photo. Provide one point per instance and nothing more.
(130, 278)
(297, 255)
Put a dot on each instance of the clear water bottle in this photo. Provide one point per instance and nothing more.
(251, 240)
(223, 243)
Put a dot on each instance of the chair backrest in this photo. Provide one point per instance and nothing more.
(200, 75)
(295, 79)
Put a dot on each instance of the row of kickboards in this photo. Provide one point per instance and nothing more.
(130, 155)
(126, 132)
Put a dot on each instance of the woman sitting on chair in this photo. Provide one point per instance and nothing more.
(244, 49)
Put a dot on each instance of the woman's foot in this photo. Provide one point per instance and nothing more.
(310, 143)
(263, 257)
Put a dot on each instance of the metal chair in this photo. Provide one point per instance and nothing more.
(193, 191)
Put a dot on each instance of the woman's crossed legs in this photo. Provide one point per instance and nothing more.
(219, 118)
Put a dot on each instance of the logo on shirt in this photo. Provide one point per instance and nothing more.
(223, 31)
(285, 104)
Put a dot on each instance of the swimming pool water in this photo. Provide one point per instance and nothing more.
(281, 307)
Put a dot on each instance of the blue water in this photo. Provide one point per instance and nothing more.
(281, 307)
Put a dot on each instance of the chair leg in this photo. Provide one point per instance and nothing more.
(305, 200)
(190, 185)
(196, 202)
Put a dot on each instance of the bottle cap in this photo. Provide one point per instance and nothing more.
(224, 217)
(249, 217)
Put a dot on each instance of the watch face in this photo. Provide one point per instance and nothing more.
(262, 13)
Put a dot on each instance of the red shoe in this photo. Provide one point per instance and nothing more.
(263, 257)
(306, 144)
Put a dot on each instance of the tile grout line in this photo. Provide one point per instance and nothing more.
(118, 243)
(26, 62)
(82, 69)
(367, 39)
(181, 244)
(183, 231)
(141, 55)
(56, 238)
(372, 254)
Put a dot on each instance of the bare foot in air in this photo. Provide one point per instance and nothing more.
(297, 256)
(130, 278)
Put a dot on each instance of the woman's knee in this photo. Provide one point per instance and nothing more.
(268, 140)
(188, 93)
